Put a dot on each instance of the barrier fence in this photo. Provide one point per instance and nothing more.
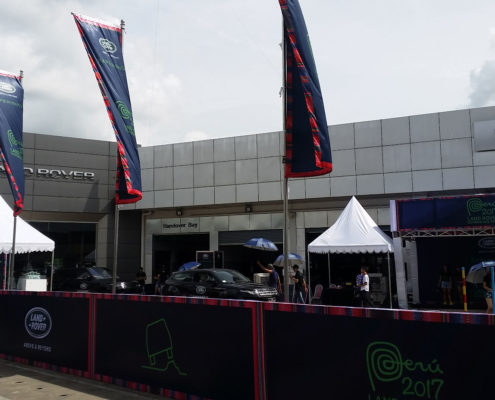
(192, 348)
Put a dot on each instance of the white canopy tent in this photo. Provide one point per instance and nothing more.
(353, 232)
(27, 238)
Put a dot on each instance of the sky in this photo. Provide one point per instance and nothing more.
(200, 69)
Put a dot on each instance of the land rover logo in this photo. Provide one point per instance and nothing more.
(107, 45)
(6, 87)
(487, 243)
(200, 290)
(38, 323)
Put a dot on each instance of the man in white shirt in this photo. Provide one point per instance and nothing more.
(365, 288)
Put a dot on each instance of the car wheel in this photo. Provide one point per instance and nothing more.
(83, 286)
(173, 290)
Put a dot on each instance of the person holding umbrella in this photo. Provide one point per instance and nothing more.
(273, 279)
(487, 286)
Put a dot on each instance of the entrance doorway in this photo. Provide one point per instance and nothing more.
(171, 251)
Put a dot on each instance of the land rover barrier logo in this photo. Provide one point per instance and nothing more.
(38, 323)
(6, 88)
(487, 243)
(200, 290)
(107, 45)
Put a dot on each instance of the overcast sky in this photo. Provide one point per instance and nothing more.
(212, 68)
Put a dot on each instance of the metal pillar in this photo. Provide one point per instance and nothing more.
(115, 249)
(12, 257)
(389, 280)
(51, 271)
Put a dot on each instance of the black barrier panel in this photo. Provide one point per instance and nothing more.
(46, 329)
(315, 356)
(3, 323)
(199, 349)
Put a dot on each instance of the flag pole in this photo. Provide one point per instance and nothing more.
(116, 214)
(12, 254)
(284, 161)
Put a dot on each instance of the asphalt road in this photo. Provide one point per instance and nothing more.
(21, 382)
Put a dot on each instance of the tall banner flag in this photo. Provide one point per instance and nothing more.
(11, 147)
(307, 143)
(103, 43)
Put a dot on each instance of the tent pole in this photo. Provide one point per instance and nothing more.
(329, 280)
(115, 248)
(51, 271)
(308, 265)
(4, 274)
(389, 280)
(12, 256)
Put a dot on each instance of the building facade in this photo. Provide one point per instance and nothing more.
(215, 194)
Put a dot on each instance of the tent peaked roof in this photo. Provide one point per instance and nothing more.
(27, 238)
(353, 232)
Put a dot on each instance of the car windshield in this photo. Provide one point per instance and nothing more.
(99, 273)
(230, 276)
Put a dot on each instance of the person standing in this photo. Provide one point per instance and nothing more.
(445, 284)
(365, 288)
(273, 278)
(141, 278)
(487, 285)
(299, 285)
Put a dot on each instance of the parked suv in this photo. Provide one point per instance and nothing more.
(91, 279)
(221, 283)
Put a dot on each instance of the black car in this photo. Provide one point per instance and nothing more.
(220, 283)
(91, 279)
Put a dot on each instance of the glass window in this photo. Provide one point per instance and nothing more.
(183, 276)
(99, 273)
(230, 276)
(75, 244)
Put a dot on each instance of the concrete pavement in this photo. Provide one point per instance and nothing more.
(21, 382)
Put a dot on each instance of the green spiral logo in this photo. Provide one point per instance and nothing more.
(384, 362)
(15, 145)
(474, 205)
(123, 110)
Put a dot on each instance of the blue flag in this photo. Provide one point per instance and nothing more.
(103, 43)
(11, 148)
(307, 143)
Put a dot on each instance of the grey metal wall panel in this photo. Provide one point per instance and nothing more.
(74, 160)
(71, 145)
(67, 204)
(66, 189)
(203, 151)
(245, 147)
(28, 140)
(342, 136)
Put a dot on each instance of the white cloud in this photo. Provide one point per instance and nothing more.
(214, 66)
(483, 85)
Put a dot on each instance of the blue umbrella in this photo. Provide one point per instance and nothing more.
(189, 265)
(261, 244)
(294, 259)
(477, 272)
